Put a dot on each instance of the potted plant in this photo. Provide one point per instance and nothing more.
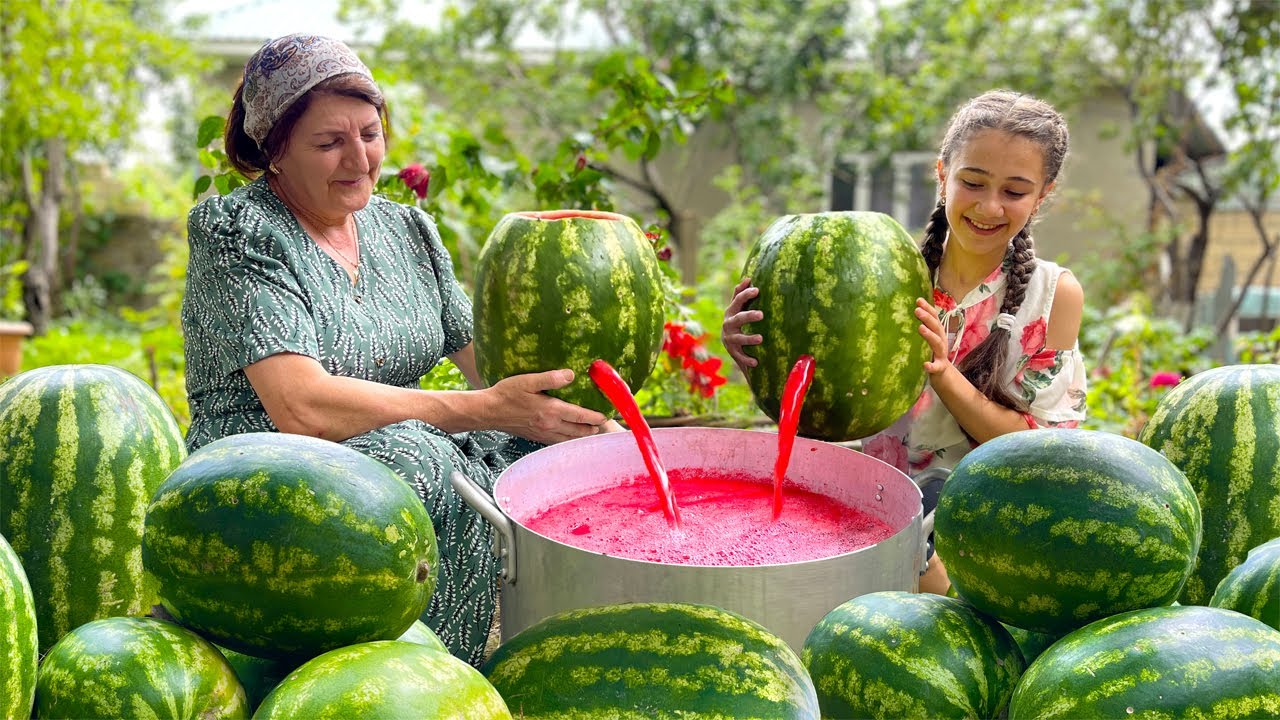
(12, 332)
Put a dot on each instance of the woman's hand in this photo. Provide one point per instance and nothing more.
(932, 331)
(734, 318)
(522, 407)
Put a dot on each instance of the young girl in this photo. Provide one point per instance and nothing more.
(1002, 323)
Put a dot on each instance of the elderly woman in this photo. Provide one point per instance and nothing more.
(314, 307)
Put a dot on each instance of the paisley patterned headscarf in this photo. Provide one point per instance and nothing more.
(284, 69)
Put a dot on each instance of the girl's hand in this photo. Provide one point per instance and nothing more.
(734, 318)
(932, 331)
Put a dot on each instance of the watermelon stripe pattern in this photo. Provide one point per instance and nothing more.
(841, 287)
(651, 660)
(127, 667)
(384, 679)
(1253, 586)
(82, 449)
(562, 289)
(1167, 662)
(1220, 428)
(19, 643)
(280, 545)
(1048, 530)
(896, 654)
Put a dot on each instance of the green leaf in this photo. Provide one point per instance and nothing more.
(210, 129)
(223, 183)
(202, 185)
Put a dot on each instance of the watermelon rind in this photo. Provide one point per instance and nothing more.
(82, 449)
(387, 680)
(19, 641)
(841, 287)
(894, 654)
(285, 546)
(561, 289)
(137, 667)
(1048, 530)
(651, 660)
(1156, 663)
(1253, 586)
(1221, 427)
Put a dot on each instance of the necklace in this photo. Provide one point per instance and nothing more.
(314, 220)
(355, 264)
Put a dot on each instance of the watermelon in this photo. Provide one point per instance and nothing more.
(1156, 663)
(895, 654)
(1048, 530)
(130, 667)
(285, 546)
(1220, 428)
(1030, 643)
(637, 661)
(260, 676)
(842, 287)
(562, 289)
(19, 643)
(82, 448)
(388, 680)
(1253, 586)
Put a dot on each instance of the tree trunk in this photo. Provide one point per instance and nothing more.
(40, 232)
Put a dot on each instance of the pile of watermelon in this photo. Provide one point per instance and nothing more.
(281, 576)
(265, 569)
(1067, 552)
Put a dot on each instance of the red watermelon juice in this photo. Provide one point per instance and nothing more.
(726, 520)
(723, 519)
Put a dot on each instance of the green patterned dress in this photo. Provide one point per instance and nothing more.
(258, 285)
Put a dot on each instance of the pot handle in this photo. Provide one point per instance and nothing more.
(479, 500)
(922, 481)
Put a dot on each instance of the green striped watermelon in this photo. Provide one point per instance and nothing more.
(842, 287)
(1220, 428)
(1030, 643)
(19, 643)
(639, 661)
(82, 448)
(285, 546)
(894, 654)
(1253, 586)
(1048, 530)
(388, 680)
(260, 676)
(129, 667)
(561, 289)
(1156, 664)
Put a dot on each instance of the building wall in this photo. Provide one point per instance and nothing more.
(1100, 177)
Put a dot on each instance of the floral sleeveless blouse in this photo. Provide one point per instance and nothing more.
(1052, 382)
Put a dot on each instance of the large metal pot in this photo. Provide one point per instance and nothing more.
(543, 577)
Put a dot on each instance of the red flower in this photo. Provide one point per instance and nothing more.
(1033, 337)
(417, 178)
(700, 368)
(1042, 360)
(678, 343)
(942, 301)
(580, 163)
(664, 254)
(1164, 378)
(887, 448)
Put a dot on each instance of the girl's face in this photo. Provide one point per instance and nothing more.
(334, 156)
(993, 186)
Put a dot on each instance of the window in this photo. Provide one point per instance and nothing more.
(903, 186)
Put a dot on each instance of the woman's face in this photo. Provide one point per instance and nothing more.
(333, 156)
(993, 186)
